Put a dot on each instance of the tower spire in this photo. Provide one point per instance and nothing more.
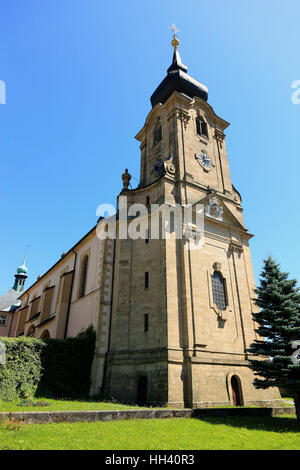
(177, 79)
(176, 63)
(25, 256)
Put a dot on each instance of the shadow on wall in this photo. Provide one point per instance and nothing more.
(141, 395)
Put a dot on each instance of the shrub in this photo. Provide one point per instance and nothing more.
(67, 366)
(21, 372)
(30, 402)
(57, 368)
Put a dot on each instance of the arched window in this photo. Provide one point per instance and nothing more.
(236, 388)
(157, 134)
(201, 127)
(219, 290)
(83, 276)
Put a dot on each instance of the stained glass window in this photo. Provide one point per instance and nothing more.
(218, 288)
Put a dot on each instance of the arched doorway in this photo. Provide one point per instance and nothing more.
(236, 388)
(45, 334)
(141, 396)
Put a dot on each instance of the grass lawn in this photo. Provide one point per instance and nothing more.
(65, 405)
(83, 405)
(282, 433)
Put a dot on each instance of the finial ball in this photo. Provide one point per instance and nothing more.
(175, 42)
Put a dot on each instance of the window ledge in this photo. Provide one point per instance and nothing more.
(33, 317)
(45, 321)
(202, 136)
(156, 144)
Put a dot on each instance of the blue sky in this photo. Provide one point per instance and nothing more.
(79, 76)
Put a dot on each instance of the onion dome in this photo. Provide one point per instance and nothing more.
(22, 269)
(179, 80)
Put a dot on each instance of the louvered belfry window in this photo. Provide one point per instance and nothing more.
(157, 134)
(219, 292)
(201, 127)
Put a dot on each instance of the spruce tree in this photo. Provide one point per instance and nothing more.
(278, 328)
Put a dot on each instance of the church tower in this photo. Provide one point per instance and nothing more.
(182, 318)
(20, 277)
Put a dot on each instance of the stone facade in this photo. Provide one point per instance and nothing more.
(6, 319)
(192, 349)
(57, 305)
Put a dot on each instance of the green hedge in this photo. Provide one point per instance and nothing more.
(21, 372)
(51, 368)
(67, 366)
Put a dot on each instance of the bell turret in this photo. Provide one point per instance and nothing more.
(20, 277)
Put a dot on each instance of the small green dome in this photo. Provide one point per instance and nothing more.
(22, 269)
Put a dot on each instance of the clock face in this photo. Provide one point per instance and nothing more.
(205, 160)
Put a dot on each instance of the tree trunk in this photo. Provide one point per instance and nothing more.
(297, 404)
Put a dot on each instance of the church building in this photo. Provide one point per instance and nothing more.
(173, 324)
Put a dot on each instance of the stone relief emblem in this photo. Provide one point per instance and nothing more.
(213, 209)
(161, 167)
(169, 165)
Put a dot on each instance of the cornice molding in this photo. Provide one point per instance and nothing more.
(187, 103)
